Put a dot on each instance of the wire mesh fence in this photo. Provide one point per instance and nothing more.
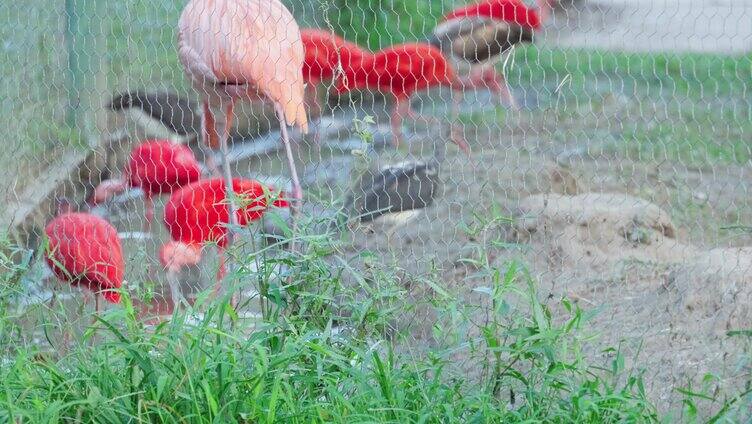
(602, 146)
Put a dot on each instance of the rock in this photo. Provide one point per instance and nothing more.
(598, 229)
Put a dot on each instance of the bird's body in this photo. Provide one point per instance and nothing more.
(155, 166)
(240, 49)
(197, 213)
(160, 167)
(397, 188)
(478, 34)
(84, 250)
(401, 71)
(326, 56)
(513, 11)
(162, 114)
(479, 40)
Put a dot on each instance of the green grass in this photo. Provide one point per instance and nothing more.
(381, 23)
(290, 367)
(683, 108)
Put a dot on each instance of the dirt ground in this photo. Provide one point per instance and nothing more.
(601, 232)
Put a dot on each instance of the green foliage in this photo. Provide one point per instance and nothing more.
(326, 349)
(682, 108)
(381, 23)
(735, 406)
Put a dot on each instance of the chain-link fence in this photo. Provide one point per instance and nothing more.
(602, 145)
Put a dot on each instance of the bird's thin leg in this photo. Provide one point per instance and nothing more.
(65, 343)
(149, 213)
(94, 318)
(401, 109)
(53, 299)
(66, 333)
(209, 134)
(209, 161)
(497, 83)
(230, 196)
(209, 127)
(456, 132)
(211, 164)
(175, 292)
(297, 191)
(221, 271)
(149, 218)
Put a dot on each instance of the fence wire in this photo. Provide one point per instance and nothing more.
(603, 145)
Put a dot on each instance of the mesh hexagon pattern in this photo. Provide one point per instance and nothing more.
(604, 144)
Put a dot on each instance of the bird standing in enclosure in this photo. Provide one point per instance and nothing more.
(156, 167)
(197, 214)
(326, 55)
(478, 34)
(402, 70)
(240, 49)
(84, 250)
(400, 191)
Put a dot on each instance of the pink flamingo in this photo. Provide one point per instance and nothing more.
(240, 49)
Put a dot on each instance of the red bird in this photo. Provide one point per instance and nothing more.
(326, 54)
(478, 34)
(401, 71)
(197, 214)
(156, 167)
(85, 250)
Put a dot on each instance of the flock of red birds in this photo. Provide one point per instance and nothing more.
(240, 49)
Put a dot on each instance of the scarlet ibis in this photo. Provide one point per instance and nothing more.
(479, 33)
(232, 50)
(401, 71)
(84, 250)
(155, 166)
(196, 214)
(326, 54)
(165, 115)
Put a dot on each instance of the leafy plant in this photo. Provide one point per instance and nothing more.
(332, 344)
